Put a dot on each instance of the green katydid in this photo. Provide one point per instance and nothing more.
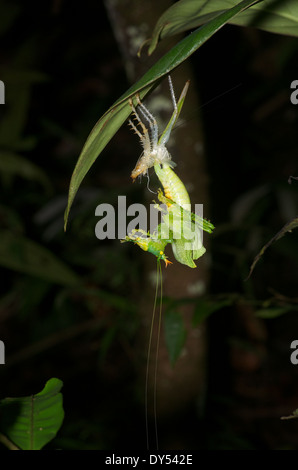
(180, 227)
(176, 197)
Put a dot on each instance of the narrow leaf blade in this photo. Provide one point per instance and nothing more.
(26, 256)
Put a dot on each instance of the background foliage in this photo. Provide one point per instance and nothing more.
(68, 302)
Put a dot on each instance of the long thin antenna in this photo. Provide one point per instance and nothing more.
(206, 103)
(172, 93)
(156, 359)
(148, 361)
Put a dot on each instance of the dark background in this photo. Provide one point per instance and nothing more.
(61, 65)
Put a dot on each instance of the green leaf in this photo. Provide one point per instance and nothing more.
(18, 85)
(111, 121)
(276, 16)
(272, 312)
(26, 256)
(31, 422)
(294, 415)
(15, 165)
(175, 334)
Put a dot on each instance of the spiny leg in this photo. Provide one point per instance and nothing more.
(172, 93)
(135, 129)
(151, 120)
(137, 117)
(145, 136)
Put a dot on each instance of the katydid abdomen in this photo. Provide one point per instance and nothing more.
(173, 187)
